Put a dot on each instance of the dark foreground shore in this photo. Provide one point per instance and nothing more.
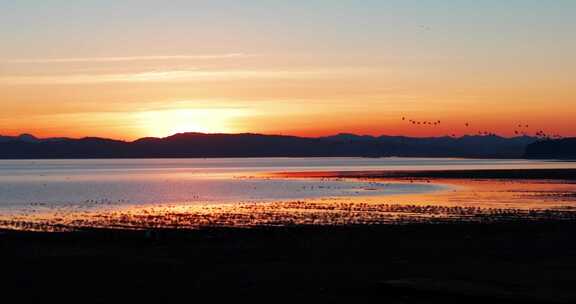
(515, 262)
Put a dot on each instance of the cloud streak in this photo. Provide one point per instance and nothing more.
(129, 58)
(188, 75)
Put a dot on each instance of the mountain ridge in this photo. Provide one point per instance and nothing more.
(183, 145)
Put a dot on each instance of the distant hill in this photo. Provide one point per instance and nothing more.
(30, 138)
(552, 149)
(257, 145)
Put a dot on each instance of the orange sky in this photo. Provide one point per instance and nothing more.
(287, 69)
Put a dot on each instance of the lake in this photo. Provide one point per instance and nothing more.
(118, 182)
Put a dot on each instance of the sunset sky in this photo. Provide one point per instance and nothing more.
(129, 69)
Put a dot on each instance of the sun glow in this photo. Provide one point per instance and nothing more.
(168, 122)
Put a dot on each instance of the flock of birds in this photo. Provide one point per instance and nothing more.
(520, 129)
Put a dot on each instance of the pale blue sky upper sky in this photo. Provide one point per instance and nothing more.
(58, 27)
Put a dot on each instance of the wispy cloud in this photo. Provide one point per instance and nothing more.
(148, 76)
(128, 58)
(188, 75)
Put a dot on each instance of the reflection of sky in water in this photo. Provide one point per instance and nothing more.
(163, 188)
(239, 165)
(142, 181)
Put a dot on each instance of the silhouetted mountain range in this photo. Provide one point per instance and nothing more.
(182, 145)
(552, 149)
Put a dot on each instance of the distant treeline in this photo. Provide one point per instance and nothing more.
(552, 149)
(257, 145)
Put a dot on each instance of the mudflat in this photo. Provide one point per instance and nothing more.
(520, 262)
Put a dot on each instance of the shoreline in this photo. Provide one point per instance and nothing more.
(519, 174)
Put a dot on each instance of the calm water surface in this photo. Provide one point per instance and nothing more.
(93, 183)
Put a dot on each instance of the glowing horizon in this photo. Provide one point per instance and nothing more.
(129, 69)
